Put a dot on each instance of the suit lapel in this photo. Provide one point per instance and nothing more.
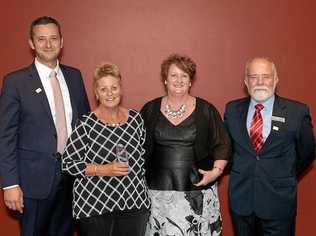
(279, 111)
(39, 91)
(243, 111)
(72, 90)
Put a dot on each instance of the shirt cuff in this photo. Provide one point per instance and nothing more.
(9, 187)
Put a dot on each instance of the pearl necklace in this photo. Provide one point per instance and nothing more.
(175, 114)
(112, 124)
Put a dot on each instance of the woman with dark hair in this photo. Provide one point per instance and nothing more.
(187, 149)
(105, 154)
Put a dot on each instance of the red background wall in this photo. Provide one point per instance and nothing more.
(137, 35)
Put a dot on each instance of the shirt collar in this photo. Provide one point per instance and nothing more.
(44, 70)
(267, 104)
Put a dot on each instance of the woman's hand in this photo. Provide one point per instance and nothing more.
(114, 168)
(208, 176)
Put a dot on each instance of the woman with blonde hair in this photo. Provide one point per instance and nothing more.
(105, 153)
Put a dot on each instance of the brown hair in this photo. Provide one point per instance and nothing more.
(183, 62)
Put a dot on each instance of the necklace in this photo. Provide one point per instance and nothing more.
(175, 113)
(112, 124)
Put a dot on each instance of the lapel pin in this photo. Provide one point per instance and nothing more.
(38, 90)
(277, 118)
(276, 128)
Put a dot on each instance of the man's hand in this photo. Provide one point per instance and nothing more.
(13, 199)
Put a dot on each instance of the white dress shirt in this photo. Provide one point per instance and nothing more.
(44, 73)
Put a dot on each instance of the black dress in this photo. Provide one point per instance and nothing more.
(178, 207)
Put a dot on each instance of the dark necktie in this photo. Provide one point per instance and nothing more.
(257, 128)
(60, 122)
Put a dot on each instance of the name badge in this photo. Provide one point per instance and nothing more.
(279, 119)
(276, 128)
(38, 90)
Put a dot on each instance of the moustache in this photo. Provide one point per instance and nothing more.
(260, 88)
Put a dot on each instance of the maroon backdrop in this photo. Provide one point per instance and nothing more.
(137, 35)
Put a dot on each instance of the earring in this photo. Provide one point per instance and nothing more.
(190, 84)
(165, 82)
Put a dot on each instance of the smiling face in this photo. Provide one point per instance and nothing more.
(261, 79)
(47, 43)
(178, 82)
(108, 91)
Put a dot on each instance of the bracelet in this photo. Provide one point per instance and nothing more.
(219, 168)
(95, 170)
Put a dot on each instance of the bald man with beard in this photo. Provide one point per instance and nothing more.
(273, 143)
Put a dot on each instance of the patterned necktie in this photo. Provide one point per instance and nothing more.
(257, 128)
(60, 122)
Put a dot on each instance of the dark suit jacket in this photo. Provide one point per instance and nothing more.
(266, 184)
(28, 139)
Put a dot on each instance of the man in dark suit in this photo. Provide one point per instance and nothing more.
(273, 144)
(39, 106)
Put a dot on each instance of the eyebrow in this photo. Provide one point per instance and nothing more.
(261, 74)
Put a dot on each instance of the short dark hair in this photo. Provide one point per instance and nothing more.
(44, 20)
(183, 62)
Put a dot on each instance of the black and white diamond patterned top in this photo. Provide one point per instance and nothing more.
(94, 142)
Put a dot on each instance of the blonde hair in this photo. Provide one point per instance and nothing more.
(106, 69)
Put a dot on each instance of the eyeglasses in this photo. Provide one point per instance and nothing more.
(258, 76)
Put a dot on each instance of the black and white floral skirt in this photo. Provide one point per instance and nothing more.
(190, 213)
